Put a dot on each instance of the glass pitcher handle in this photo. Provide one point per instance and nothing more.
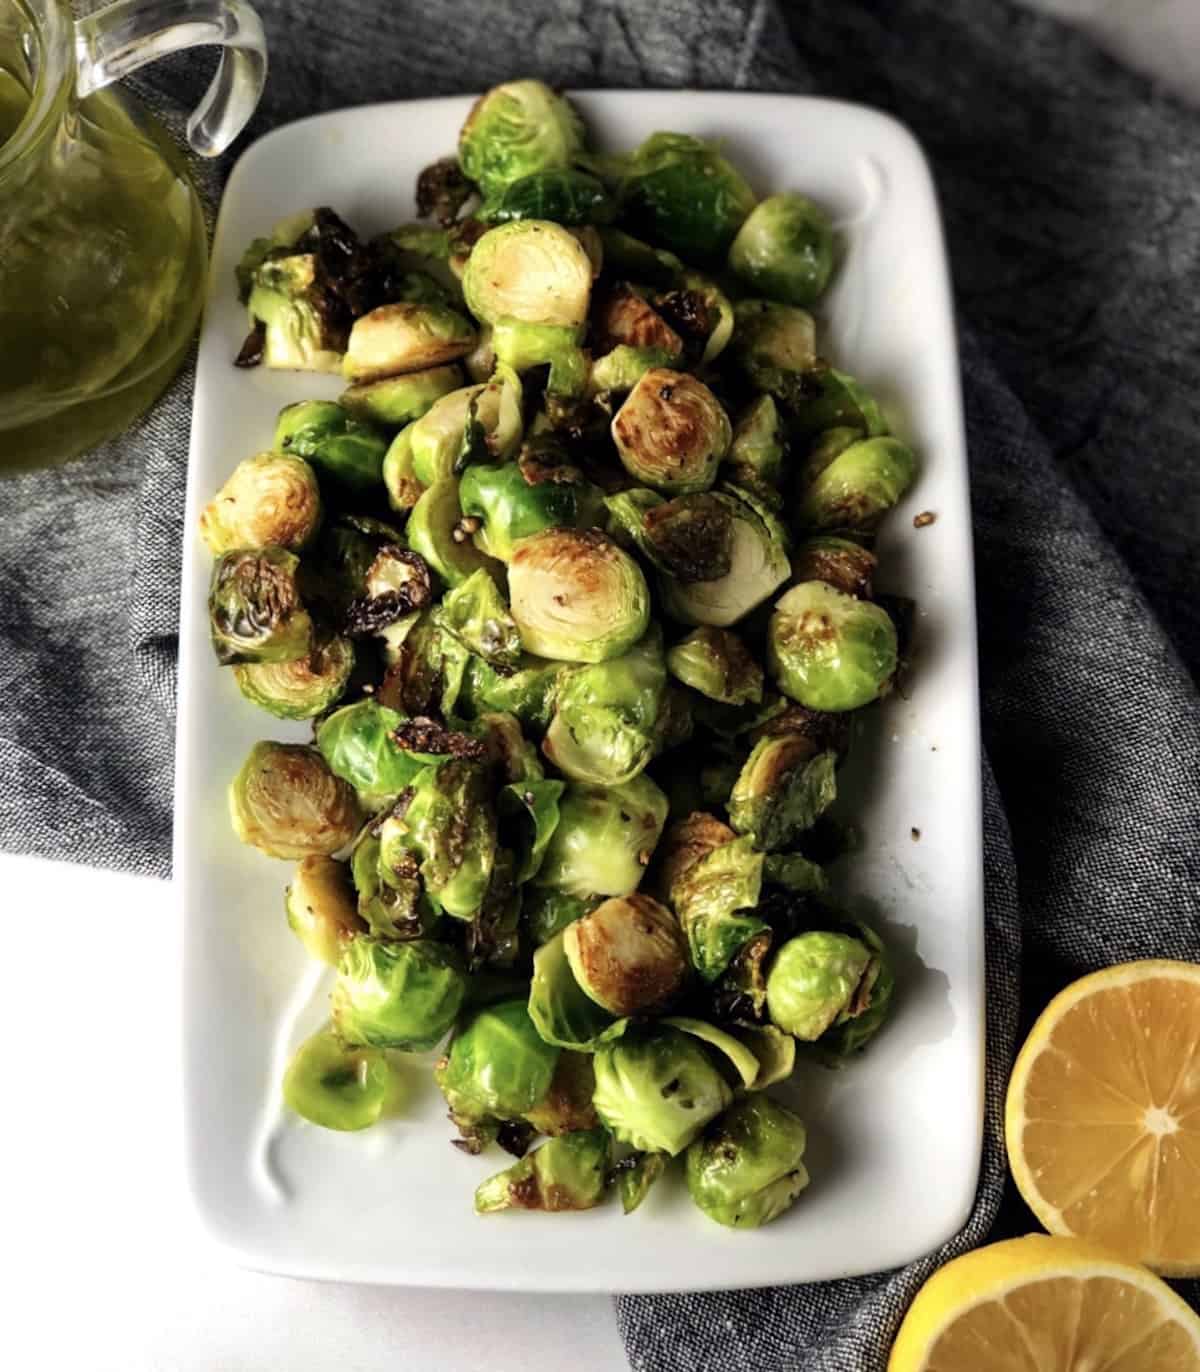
(115, 41)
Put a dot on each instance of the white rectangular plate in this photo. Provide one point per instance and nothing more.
(894, 1138)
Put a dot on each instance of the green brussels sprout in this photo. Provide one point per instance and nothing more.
(576, 596)
(507, 505)
(531, 271)
(794, 871)
(628, 954)
(432, 527)
(395, 401)
(334, 1085)
(346, 451)
(623, 317)
(515, 130)
(508, 751)
(255, 612)
(320, 907)
(603, 730)
(524, 346)
(530, 807)
(742, 1062)
(839, 562)
(714, 899)
(781, 791)
(759, 442)
(565, 1015)
(391, 899)
(683, 193)
(636, 1175)
(784, 249)
(396, 995)
(475, 613)
(284, 236)
(561, 194)
(688, 839)
(672, 432)
(824, 398)
(604, 839)
(657, 1088)
(859, 486)
(828, 445)
(297, 325)
(405, 337)
(271, 500)
(623, 367)
(820, 979)
(872, 1002)
(302, 689)
(775, 347)
(747, 1167)
(828, 650)
(358, 742)
(546, 912)
(287, 803)
(497, 1065)
(476, 423)
(529, 691)
(567, 1105)
(569, 1172)
(758, 565)
(717, 663)
(775, 1051)
(428, 674)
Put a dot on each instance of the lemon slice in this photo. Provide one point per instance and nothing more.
(1043, 1304)
(1103, 1116)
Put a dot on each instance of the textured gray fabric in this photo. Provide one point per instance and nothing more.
(1069, 188)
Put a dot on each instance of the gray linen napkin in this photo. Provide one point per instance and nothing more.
(1070, 192)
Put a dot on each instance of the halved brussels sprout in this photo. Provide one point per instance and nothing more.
(672, 432)
(399, 478)
(623, 367)
(255, 612)
(396, 995)
(475, 613)
(334, 1085)
(432, 528)
(819, 980)
(507, 505)
(569, 1172)
(396, 401)
(828, 650)
(604, 839)
(873, 1001)
(638, 1173)
(686, 195)
(718, 664)
(623, 317)
(428, 673)
(524, 346)
(775, 346)
(287, 803)
(532, 271)
(828, 445)
(576, 596)
(497, 1065)
(859, 486)
(563, 1012)
(784, 250)
(515, 130)
(529, 691)
(345, 450)
(715, 899)
(475, 423)
(533, 804)
(656, 1089)
(567, 1105)
(628, 954)
(823, 399)
(839, 562)
(747, 1168)
(301, 689)
(564, 195)
(405, 337)
(297, 325)
(359, 744)
(683, 845)
(758, 566)
(546, 912)
(759, 442)
(781, 791)
(271, 500)
(603, 729)
(321, 908)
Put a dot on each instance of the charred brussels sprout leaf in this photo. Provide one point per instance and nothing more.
(717, 663)
(569, 1172)
(604, 838)
(715, 899)
(747, 1168)
(532, 808)
(530, 271)
(567, 1105)
(334, 1085)
(829, 651)
(475, 613)
(859, 486)
(560, 194)
(347, 451)
(335, 573)
(391, 899)
(628, 954)
(396, 995)
(636, 1175)
(784, 250)
(781, 791)
(359, 744)
(505, 506)
(497, 1065)
(320, 905)
(406, 336)
(286, 802)
(442, 190)
(516, 130)
(529, 691)
(820, 980)
(254, 608)
(302, 689)
(672, 432)
(271, 500)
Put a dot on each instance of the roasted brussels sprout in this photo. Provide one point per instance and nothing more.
(405, 337)
(623, 367)
(823, 398)
(497, 1065)
(784, 250)
(507, 505)
(656, 1089)
(819, 980)
(395, 401)
(429, 671)
(775, 347)
(576, 596)
(523, 346)
(853, 1030)
(529, 691)
(775, 1051)
(671, 433)
(358, 742)
(839, 562)
(747, 1167)
(603, 729)
(333, 574)
(531, 271)
(628, 954)
(604, 838)
(302, 689)
(254, 608)
(636, 1174)
(563, 1012)
(271, 500)
(759, 442)
(715, 898)
(433, 532)
(533, 805)
(286, 802)
(346, 451)
(396, 995)
(567, 1105)
(391, 899)
(683, 193)
(475, 613)
(563, 195)
(781, 791)
(399, 478)
(516, 130)
(285, 235)
(828, 650)
(320, 906)
(546, 912)
(476, 423)
(397, 586)
(296, 324)
(623, 317)
(334, 1085)
(859, 486)
(685, 842)
(569, 1172)
(717, 663)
